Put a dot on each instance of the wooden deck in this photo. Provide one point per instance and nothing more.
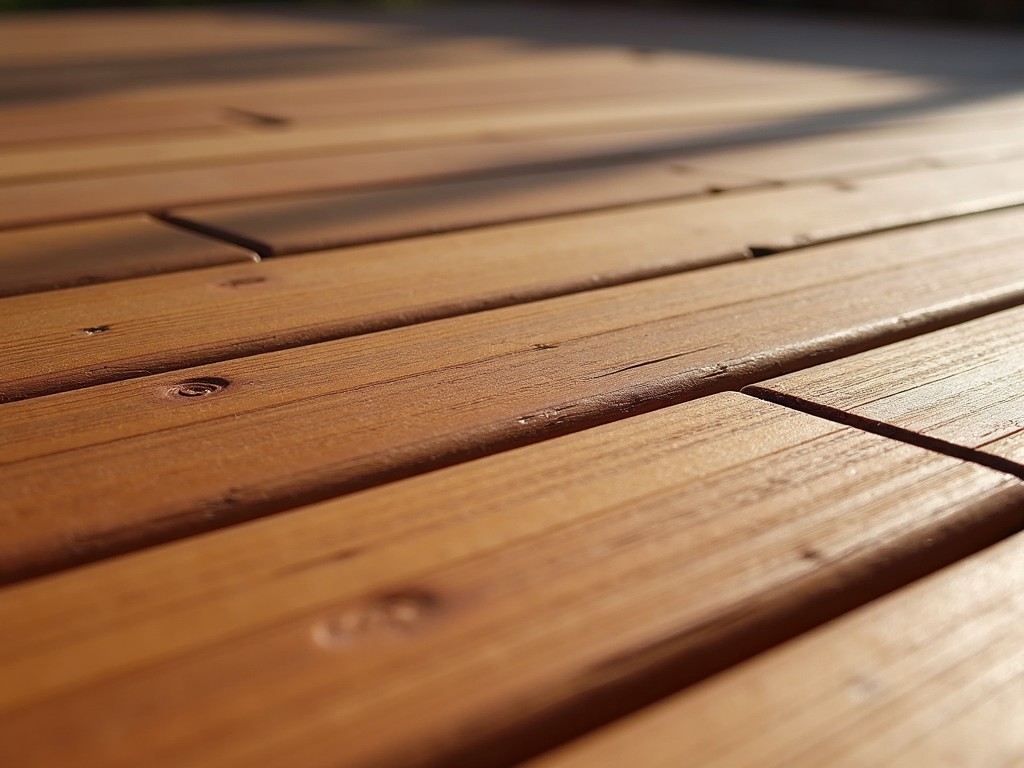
(492, 386)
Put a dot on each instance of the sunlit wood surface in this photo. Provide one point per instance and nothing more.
(497, 385)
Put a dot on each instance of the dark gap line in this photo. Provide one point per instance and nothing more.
(762, 251)
(883, 429)
(754, 250)
(215, 233)
(298, 338)
(663, 673)
(574, 416)
(255, 119)
(625, 157)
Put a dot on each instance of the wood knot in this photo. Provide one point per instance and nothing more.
(239, 282)
(390, 616)
(199, 387)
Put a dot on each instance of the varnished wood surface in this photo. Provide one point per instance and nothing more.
(931, 675)
(330, 295)
(309, 224)
(452, 389)
(454, 475)
(585, 592)
(80, 253)
(306, 224)
(960, 386)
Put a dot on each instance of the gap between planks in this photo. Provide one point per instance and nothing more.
(358, 412)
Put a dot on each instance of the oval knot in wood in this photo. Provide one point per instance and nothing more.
(199, 387)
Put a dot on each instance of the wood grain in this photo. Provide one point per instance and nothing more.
(61, 194)
(309, 223)
(64, 255)
(220, 313)
(444, 127)
(959, 387)
(59, 169)
(252, 436)
(930, 675)
(486, 604)
(854, 154)
(87, 121)
(658, 75)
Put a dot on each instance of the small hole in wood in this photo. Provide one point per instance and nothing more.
(199, 387)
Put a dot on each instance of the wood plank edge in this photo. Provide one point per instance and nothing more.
(302, 337)
(765, 392)
(457, 448)
(645, 676)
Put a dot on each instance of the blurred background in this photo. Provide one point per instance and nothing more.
(964, 10)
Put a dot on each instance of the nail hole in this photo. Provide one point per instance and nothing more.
(255, 118)
(240, 281)
(199, 387)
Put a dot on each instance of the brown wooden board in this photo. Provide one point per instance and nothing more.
(246, 437)
(64, 255)
(931, 675)
(869, 146)
(220, 313)
(484, 609)
(271, 172)
(443, 127)
(67, 195)
(510, 197)
(664, 76)
(309, 223)
(958, 389)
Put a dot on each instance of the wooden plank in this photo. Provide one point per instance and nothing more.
(330, 295)
(930, 675)
(333, 168)
(507, 198)
(451, 126)
(65, 255)
(157, 189)
(246, 437)
(658, 75)
(872, 152)
(315, 222)
(281, 144)
(307, 223)
(99, 35)
(71, 122)
(365, 631)
(958, 388)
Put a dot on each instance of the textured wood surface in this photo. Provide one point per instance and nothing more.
(445, 127)
(65, 255)
(352, 412)
(462, 478)
(959, 387)
(573, 590)
(306, 224)
(85, 122)
(72, 195)
(931, 675)
(303, 224)
(334, 294)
